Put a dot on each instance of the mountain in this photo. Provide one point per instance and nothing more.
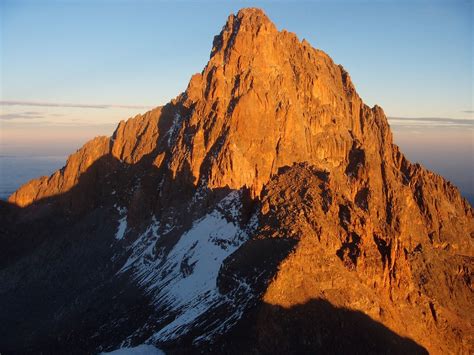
(264, 210)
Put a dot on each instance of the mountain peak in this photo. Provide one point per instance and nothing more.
(250, 19)
(251, 11)
(261, 90)
(268, 191)
(242, 28)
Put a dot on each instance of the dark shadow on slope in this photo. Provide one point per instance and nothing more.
(58, 254)
(316, 327)
(59, 257)
(107, 181)
(67, 300)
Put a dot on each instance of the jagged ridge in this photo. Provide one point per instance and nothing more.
(373, 232)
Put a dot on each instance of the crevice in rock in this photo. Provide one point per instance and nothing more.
(419, 197)
(433, 311)
(231, 40)
(326, 197)
(362, 198)
(384, 249)
(388, 211)
(344, 216)
(418, 249)
(356, 161)
(234, 98)
(350, 250)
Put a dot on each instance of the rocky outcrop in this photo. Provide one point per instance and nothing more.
(62, 180)
(271, 165)
(397, 274)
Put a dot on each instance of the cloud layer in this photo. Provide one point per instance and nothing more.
(430, 122)
(76, 105)
(21, 115)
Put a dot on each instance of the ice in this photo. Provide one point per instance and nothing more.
(121, 228)
(143, 349)
(174, 128)
(142, 249)
(187, 282)
(185, 279)
(201, 251)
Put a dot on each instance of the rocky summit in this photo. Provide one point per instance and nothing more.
(265, 210)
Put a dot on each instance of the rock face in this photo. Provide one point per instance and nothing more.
(264, 210)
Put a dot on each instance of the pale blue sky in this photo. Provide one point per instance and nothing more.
(414, 58)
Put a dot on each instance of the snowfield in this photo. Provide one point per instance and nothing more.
(143, 349)
(185, 282)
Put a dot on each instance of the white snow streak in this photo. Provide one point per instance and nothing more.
(174, 128)
(143, 250)
(190, 287)
(185, 279)
(122, 227)
(143, 349)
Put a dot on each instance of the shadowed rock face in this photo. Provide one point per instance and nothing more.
(265, 195)
(313, 327)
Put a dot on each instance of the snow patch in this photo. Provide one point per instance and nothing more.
(189, 286)
(143, 349)
(143, 250)
(184, 281)
(122, 227)
(174, 128)
(121, 210)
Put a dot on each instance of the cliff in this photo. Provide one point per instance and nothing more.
(271, 165)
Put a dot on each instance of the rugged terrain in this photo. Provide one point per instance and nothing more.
(264, 210)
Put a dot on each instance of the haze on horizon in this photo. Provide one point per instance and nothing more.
(72, 70)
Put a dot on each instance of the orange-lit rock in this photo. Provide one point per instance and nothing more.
(374, 233)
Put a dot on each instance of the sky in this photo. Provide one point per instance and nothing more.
(71, 70)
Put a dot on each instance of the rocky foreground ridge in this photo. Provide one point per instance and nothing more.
(264, 210)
